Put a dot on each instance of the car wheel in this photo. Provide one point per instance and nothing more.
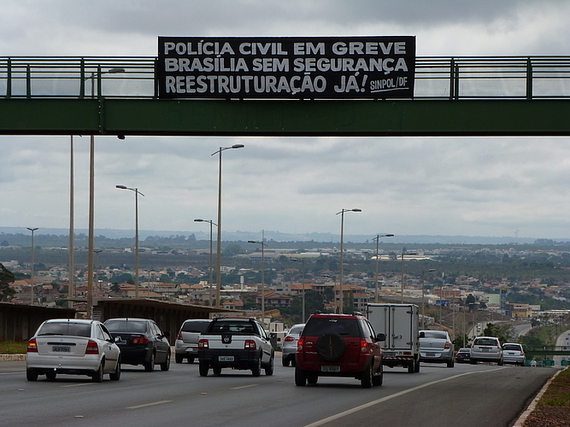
(412, 367)
(178, 358)
(285, 361)
(97, 376)
(366, 377)
(300, 377)
(31, 375)
(378, 379)
(116, 374)
(166, 365)
(330, 347)
(269, 367)
(203, 368)
(217, 370)
(450, 363)
(51, 375)
(256, 368)
(500, 362)
(417, 367)
(149, 366)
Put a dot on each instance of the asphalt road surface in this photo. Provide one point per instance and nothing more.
(467, 395)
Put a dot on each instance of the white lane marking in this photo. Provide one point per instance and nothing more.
(76, 385)
(160, 402)
(245, 386)
(392, 396)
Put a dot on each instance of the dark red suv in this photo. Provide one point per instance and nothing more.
(339, 345)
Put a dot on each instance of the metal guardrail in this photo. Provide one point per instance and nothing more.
(530, 78)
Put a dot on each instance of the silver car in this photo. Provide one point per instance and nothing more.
(436, 347)
(186, 345)
(290, 344)
(72, 346)
(486, 349)
(513, 353)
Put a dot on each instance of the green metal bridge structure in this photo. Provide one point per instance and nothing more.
(544, 351)
(463, 96)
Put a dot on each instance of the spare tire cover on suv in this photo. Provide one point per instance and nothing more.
(330, 347)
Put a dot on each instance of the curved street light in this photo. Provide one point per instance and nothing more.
(209, 221)
(137, 192)
(91, 233)
(377, 238)
(341, 261)
(219, 237)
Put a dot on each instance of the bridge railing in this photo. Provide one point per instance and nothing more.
(533, 77)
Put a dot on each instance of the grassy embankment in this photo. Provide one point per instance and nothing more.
(10, 347)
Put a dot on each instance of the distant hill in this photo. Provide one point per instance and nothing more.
(278, 236)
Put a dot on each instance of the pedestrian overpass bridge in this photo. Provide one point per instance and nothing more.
(464, 96)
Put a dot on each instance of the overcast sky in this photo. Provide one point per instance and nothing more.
(406, 186)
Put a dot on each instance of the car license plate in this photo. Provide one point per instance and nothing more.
(485, 349)
(431, 354)
(61, 349)
(330, 368)
(225, 358)
(389, 353)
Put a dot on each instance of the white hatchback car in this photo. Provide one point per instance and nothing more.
(73, 346)
(486, 349)
(513, 353)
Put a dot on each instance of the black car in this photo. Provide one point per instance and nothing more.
(141, 342)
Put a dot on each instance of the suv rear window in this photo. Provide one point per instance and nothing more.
(319, 325)
(66, 328)
(233, 327)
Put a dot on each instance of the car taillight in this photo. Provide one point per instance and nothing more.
(32, 346)
(364, 346)
(447, 345)
(300, 344)
(203, 343)
(92, 348)
(249, 345)
(140, 340)
(179, 336)
(289, 338)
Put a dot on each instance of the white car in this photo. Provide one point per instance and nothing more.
(513, 353)
(186, 344)
(486, 349)
(72, 346)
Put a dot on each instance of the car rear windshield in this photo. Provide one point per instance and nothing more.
(318, 326)
(296, 329)
(199, 327)
(485, 341)
(126, 325)
(435, 334)
(66, 328)
(233, 327)
(512, 347)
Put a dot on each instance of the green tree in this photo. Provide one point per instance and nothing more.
(6, 277)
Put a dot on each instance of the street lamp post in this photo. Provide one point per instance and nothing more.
(219, 236)
(441, 299)
(211, 268)
(377, 238)
(137, 192)
(403, 274)
(303, 287)
(91, 238)
(32, 269)
(341, 261)
(431, 270)
(71, 274)
(263, 244)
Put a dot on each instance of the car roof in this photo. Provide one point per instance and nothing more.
(70, 320)
(130, 318)
(338, 316)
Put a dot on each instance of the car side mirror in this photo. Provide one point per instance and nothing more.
(272, 336)
(166, 334)
(381, 337)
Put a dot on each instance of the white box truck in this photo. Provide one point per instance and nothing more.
(400, 323)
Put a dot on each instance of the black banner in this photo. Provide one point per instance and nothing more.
(286, 67)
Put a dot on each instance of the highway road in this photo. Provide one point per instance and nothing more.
(467, 395)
